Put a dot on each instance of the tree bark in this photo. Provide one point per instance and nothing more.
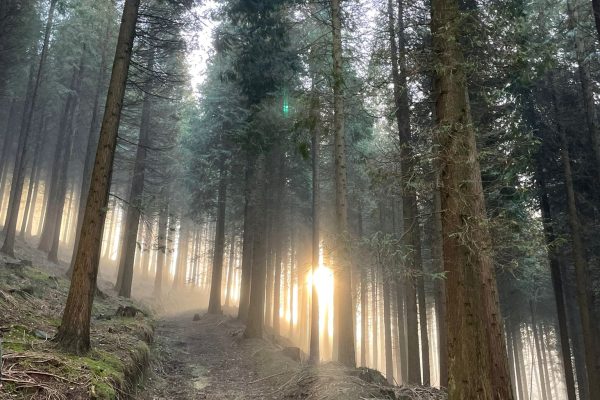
(316, 241)
(478, 364)
(344, 332)
(74, 332)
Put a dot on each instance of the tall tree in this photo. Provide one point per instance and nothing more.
(343, 277)
(477, 361)
(74, 332)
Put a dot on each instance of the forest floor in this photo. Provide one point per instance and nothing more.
(161, 355)
(210, 359)
(204, 359)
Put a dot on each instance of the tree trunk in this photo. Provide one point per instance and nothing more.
(478, 364)
(33, 181)
(92, 144)
(538, 353)
(64, 160)
(256, 315)
(344, 331)
(182, 255)
(230, 262)
(581, 266)
(439, 286)
(374, 329)
(74, 332)
(557, 283)
(414, 285)
(387, 326)
(248, 239)
(62, 155)
(214, 304)
(135, 203)
(161, 247)
(316, 241)
(16, 189)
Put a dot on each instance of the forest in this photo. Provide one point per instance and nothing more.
(408, 187)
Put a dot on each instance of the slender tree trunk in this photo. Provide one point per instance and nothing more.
(387, 326)
(538, 352)
(230, 262)
(62, 154)
(316, 241)
(63, 165)
(248, 239)
(161, 247)
(478, 364)
(439, 286)
(74, 332)
(256, 315)
(581, 266)
(92, 144)
(33, 181)
(135, 204)
(374, 317)
(414, 285)
(557, 283)
(344, 331)
(182, 255)
(16, 189)
(214, 304)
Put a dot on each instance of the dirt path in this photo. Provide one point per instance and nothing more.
(203, 359)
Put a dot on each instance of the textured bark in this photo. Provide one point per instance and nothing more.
(74, 332)
(344, 332)
(92, 144)
(214, 303)
(18, 176)
(478, 364)
(136, 191)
